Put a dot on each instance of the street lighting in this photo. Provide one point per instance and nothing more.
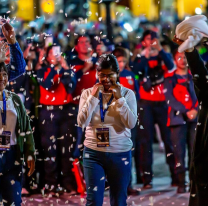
(108, 17)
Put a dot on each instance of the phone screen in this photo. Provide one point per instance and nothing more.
(56, 51)
(48, 41)
(29, 40)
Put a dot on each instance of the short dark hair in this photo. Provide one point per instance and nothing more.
(120, 52)
(3, 67)
(107, 61)
(149, 32)
(174, 53)
(80, 36)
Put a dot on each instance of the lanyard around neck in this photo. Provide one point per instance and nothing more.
(3, 112)
(103, 112)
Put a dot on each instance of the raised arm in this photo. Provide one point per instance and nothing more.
(69, 80)
(17, 63)
(199, 73)
(168, 61)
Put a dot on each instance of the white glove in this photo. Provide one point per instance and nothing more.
(191, 31)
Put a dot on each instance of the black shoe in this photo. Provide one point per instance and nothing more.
(174, 183)
(147, 186)
(181, 181)
(71, 193)
(133, 192)
(181, 189)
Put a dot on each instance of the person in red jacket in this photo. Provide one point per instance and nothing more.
(182, 113)
(151, 67)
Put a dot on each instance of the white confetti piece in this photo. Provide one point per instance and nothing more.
(87, 155)
(12, 182)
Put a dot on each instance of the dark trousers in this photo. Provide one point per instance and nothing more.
(181, 136)
(37, 177)
(116, 167)
(10, 179)
(136, 151)
(149, 114)
(58, 132)
(198, 194)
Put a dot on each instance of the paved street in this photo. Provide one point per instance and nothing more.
(161, 194)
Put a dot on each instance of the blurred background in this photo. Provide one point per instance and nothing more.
(128, 16)
(114, 20)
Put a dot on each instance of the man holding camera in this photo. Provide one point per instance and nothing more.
(151, 67)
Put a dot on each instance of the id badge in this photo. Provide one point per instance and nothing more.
(5, 140)
(102, 135)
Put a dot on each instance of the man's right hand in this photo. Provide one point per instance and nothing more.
(8, 31)
(87, 66)
(96, 89)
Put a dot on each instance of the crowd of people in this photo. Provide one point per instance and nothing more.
(154, 101)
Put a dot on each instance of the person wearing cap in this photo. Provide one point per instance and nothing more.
(107, 110)
(153, 109)
(14, 57)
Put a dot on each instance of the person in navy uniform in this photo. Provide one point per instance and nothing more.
(83, 64)
(151, 67)
(127, 79)
(182, 114)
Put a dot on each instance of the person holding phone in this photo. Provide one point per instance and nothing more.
(107, 109)
(17, 143)
(57, 82)
(13, 56)
(151, 67)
